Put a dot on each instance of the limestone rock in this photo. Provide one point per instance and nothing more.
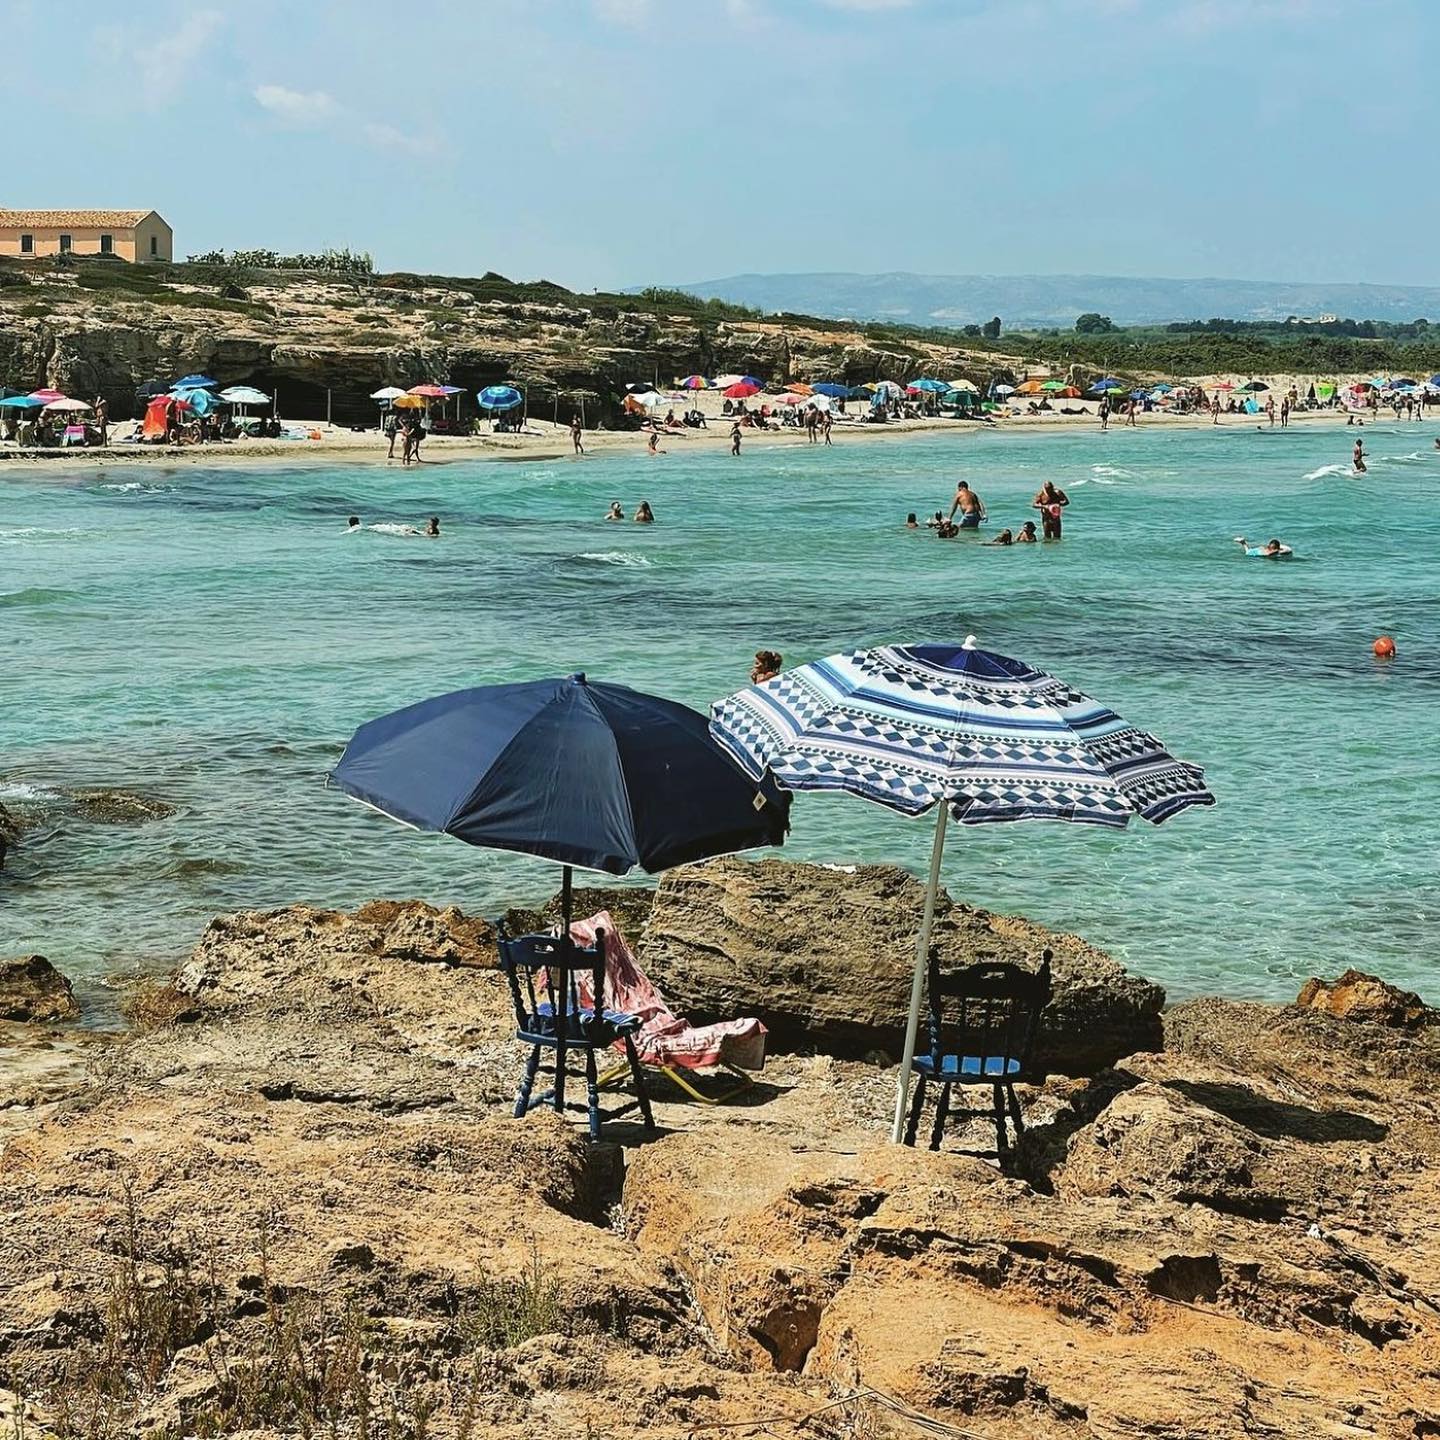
(31, 988)
(824, 955)
(1358, 996)
(109, 806)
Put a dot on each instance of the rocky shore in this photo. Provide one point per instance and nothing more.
(291, 1200)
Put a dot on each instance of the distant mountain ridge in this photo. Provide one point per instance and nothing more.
(1044, 301)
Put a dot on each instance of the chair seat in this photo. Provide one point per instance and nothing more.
(580, 1025)
(960, 1067)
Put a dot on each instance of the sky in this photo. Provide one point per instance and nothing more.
(603, 143)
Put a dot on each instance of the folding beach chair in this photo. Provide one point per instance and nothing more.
(666, 1042)
(74, 435)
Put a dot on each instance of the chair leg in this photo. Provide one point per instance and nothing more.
(1002, 1142)
(913, 1124)
(527, 1083)
(559, 1101)
(638, 1074)
(592, 1093)
(942, 1109)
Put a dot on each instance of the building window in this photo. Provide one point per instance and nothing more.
(64, 244)
(154, 245)
(107, 244)
(27, 244)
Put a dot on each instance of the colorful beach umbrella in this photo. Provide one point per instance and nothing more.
(21, 402)
(926, 385)
(800, 388)
(741, 390)
(65, 403)
(1029, 387)
(409, 402)
(499, 397)
(887, 390)
(695, 382)
(46, 396)
(969, 733)
(1054, 385)
(430, 392)
(189, 382)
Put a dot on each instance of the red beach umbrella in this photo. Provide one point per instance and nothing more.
(741, 391)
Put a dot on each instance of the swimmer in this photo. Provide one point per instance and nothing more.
(432, 527)
(1050, 502)
(970, 505)
(767, 666)
(1357, 458)
(1270, 550)
(653, 444)
(935, 521)
(1027, 535)
(946, 531)
(614, 512)
(353, 524)
(1003, 538)
(911, 523)
(644, 515)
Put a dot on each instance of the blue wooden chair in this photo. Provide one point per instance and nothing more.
(549, 1016)
(983, 1023)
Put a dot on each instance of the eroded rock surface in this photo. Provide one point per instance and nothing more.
(824, 956)
(31, 988)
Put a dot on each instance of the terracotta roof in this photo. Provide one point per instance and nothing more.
(80, 219)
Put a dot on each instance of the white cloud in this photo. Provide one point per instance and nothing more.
(160, 59)
(387, 137)
(296, 107)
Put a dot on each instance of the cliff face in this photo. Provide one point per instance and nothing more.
(90, 331)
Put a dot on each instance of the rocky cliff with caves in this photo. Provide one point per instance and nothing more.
(102, 328)
(291, 1200)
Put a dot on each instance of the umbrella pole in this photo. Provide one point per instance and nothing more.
(917, 982)
(562, 998)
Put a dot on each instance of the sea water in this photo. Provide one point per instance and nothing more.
(211, 636)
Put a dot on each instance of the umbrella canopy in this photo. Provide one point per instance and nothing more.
(1223, 385)
(244, 395)
(1163, 387)
(741, 390)
(1002, 389)
(887, 390)
(696, 382)
(575, 771)
(790, 399)
(752, 380)
(861, 392)
(962, 384)
(21, 402)
(928, 385)
(430, 392)
(65, 403)
(1107, 382)
(202, 402)
(46, 396)
(1254, 386)
(408, 402)
(499, 397)
(799, 388)
(1029, 387)
(832, 389)
(1435, 379)
(818, 402)
(1053, 386)
(150, 389)
(388, 392)
(1401, 383)
(188, 382)
(976, 735)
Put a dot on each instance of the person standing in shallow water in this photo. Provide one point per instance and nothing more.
(1050, 502)
(735, 438)
(1357, 458)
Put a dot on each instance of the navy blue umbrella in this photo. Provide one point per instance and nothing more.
(584, 773)
(834, 391)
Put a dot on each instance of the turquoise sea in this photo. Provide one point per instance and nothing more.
(210, 636)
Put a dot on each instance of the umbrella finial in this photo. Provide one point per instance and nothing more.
(969, 643)
(578, 678)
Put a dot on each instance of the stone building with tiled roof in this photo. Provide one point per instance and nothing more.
(139, 236)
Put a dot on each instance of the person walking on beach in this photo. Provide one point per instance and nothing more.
(1050, 502)
(1215, 408)
(970, 505)
(1270, 409)
(1284, 413)
(827, 423)
(735, 438)
(1104, 412)
(575, 433)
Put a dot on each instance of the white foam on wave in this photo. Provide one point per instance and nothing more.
(18, 535)
(613, 557)
(1117, 472)
(1327, 470)
(24, 790)
(385, 528)
(133, 487)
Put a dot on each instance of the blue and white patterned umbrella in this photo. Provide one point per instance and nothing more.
(994, 739)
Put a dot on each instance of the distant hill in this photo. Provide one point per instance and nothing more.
(1042, 301)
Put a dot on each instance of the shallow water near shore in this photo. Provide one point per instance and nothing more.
(212, 637)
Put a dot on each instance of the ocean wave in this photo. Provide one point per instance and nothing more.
(612, 557)
(386, 528)
(19, 534)
(1116, 471)
(22, 790)
(134, 487)
(36, 596)
(1327, 470)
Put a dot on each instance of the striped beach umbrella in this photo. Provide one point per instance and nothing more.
(968, 733)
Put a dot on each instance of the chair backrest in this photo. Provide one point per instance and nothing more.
(549, 961)
(989, 1011)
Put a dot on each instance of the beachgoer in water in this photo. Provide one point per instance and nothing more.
(653, 444)
(946, 531)
(392, 429)
(1050, 502)
(644, 515)
(432, 527)
(353, 524)
(1270, 550)
(575, 433)
(1358, 457)
(768, 664)
(935, 521)
(1027, 535)
(735, 438)
(1003, 538)
(971, 507)
(614, 512)
(911, 523)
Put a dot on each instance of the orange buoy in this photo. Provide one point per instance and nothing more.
(1384, 648)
